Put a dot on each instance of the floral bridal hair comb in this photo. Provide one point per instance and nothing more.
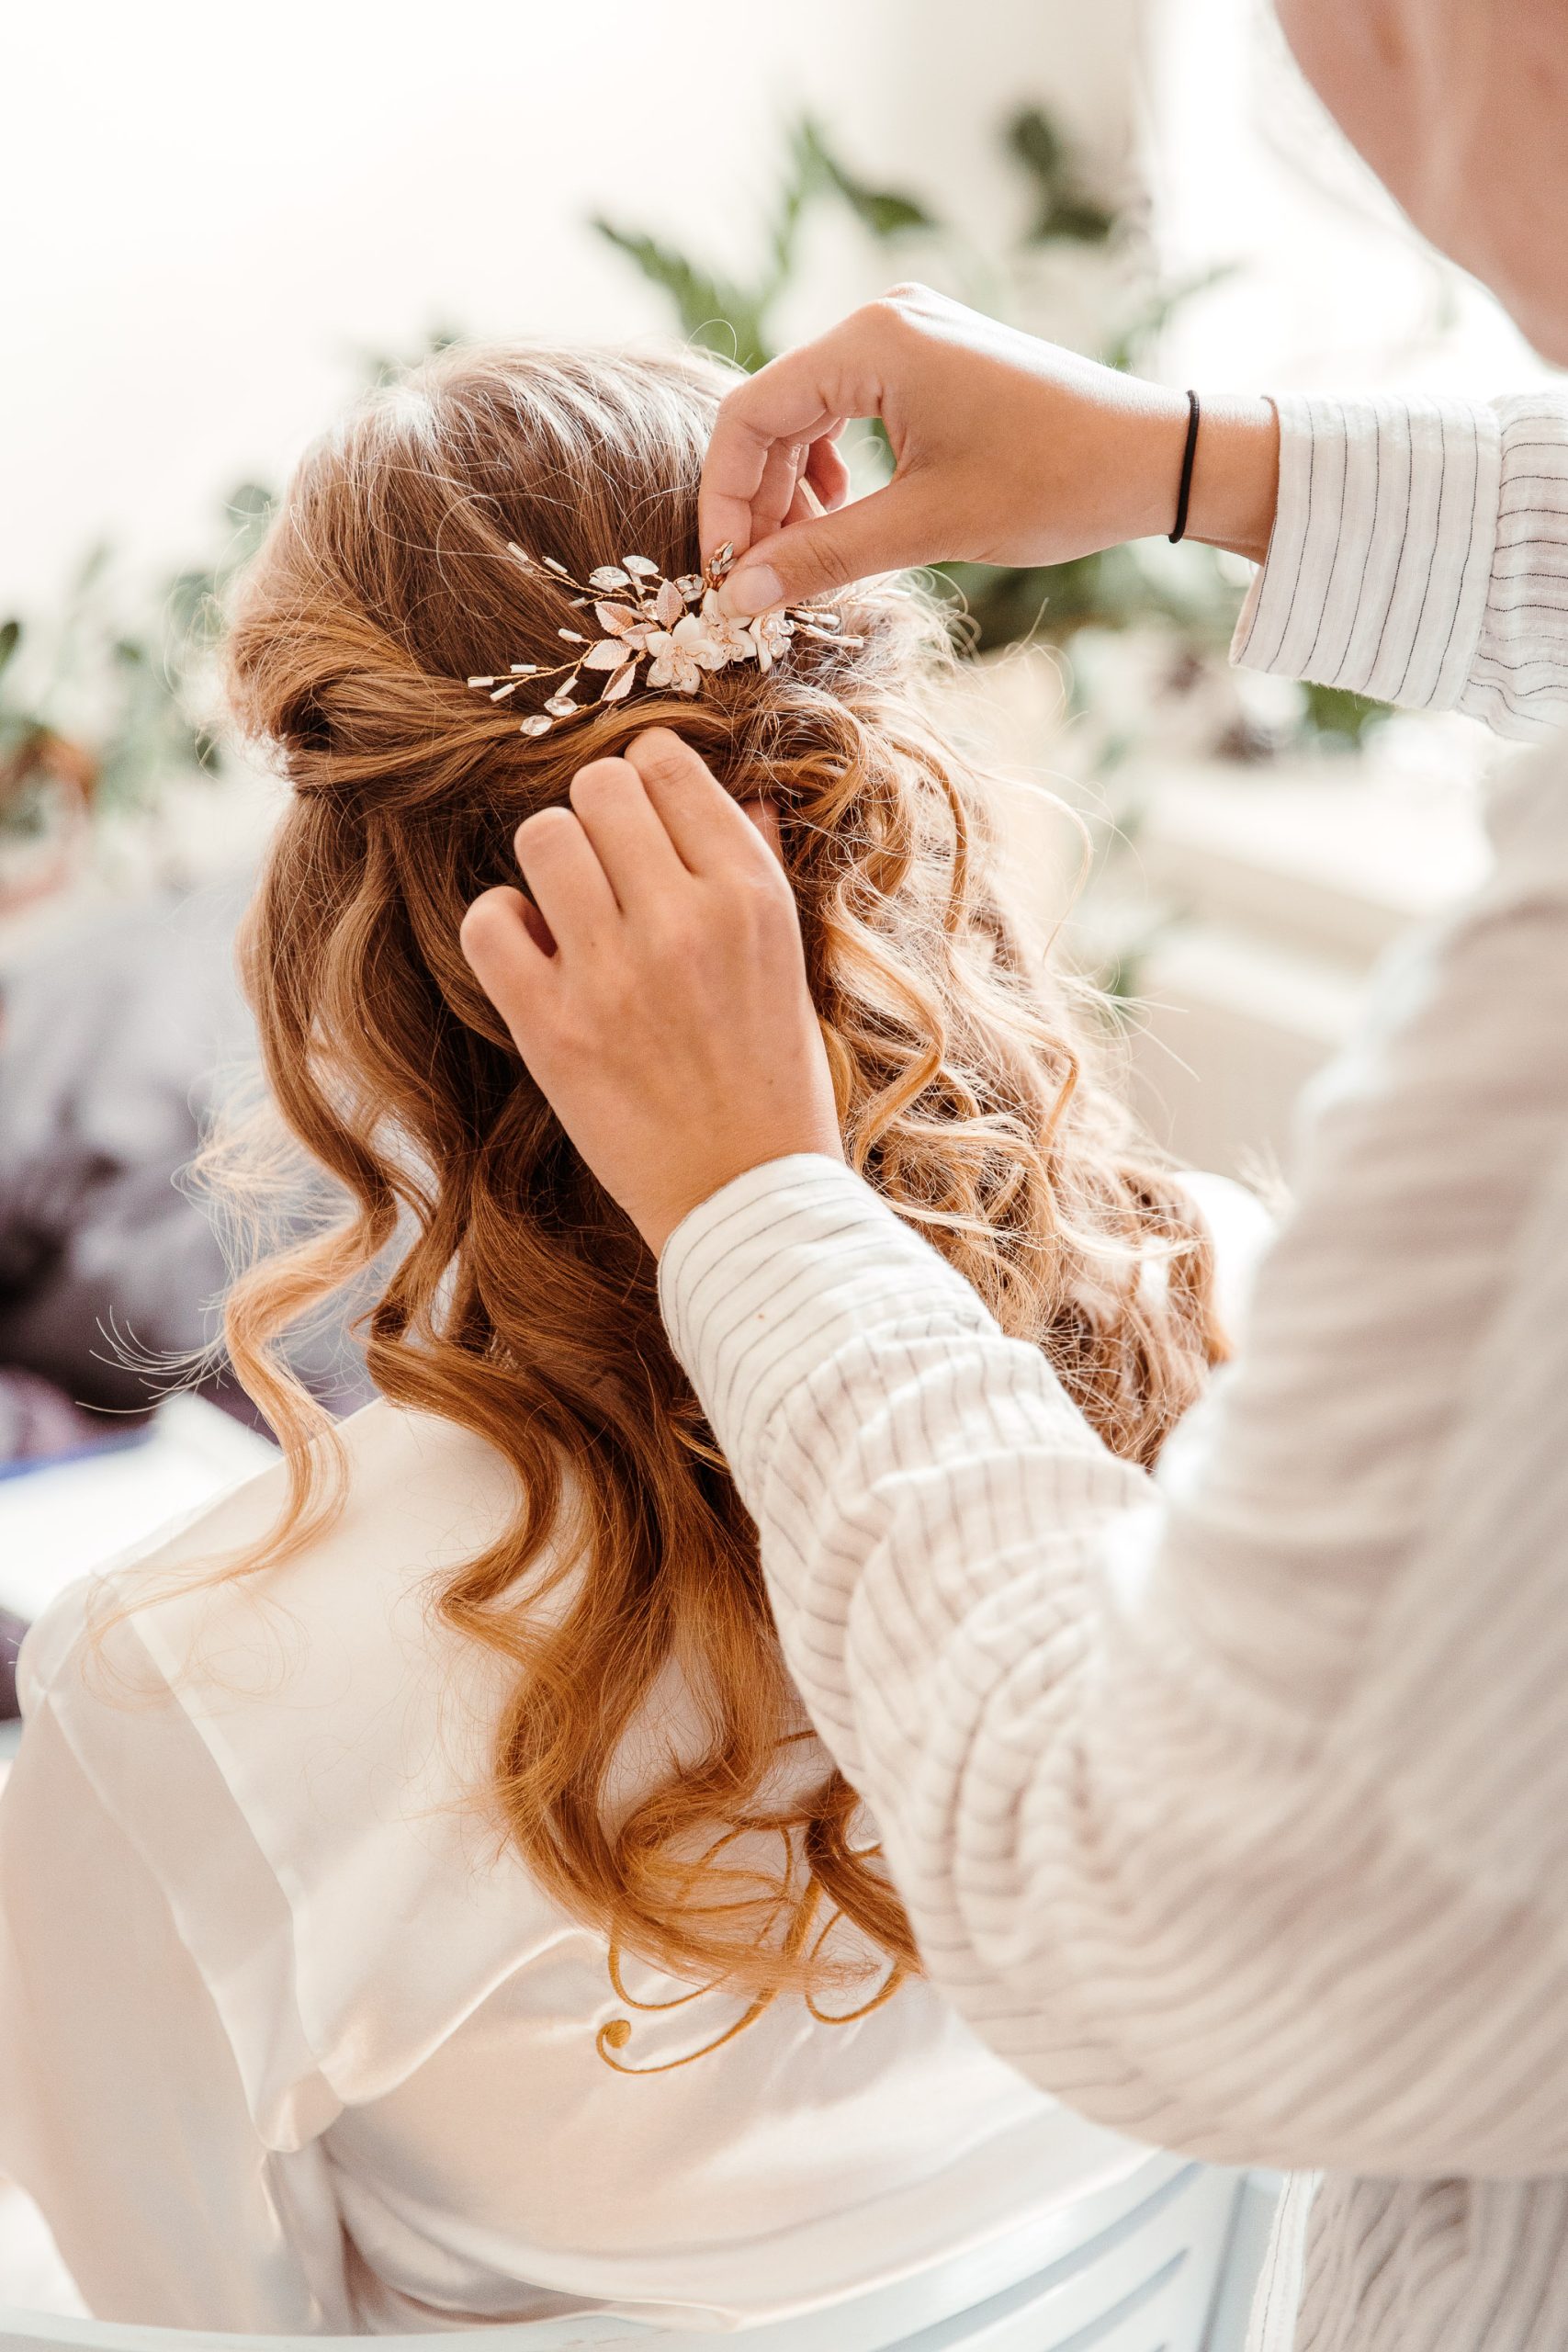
(673, 626)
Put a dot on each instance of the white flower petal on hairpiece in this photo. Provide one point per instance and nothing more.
(669, 604)
(691, 585)
(608, 575)
(736, 640)
(664, 659)
(561, 706)
(699, 640)
(621, 684)
(610, 653)
(538, 725)
(671, 664)
(682, 653)
(641, 566)
(621, 621)
(771, 632)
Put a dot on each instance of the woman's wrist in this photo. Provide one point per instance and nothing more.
(1236, 474)
(1128, 471)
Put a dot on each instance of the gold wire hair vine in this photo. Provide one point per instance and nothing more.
(675, 626)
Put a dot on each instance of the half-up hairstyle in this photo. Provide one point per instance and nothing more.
(511, 1295)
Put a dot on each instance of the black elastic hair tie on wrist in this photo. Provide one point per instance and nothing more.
(1185, 492)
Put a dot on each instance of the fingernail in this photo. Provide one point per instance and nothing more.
(755, 588)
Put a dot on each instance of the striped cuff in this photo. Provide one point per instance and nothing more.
(761, 1283)
(1518, 681)
(1377, 575)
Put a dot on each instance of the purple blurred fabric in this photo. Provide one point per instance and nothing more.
(38, 1422)
(117, 1042)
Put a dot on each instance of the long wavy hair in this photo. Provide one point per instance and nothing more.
(510, 1295)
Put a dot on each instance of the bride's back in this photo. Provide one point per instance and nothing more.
(468, 2103)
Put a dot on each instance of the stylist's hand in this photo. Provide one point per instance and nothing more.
(1009, 451)
(656, 986)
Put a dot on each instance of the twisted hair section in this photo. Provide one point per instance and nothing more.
(508, 1293)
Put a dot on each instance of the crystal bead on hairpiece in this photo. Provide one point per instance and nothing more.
(673, 626)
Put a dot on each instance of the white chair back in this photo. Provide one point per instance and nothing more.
(1161, 2261)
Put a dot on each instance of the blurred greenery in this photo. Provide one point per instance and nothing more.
(1064, 206)
(1341, 717)
(736, 321)
(97, 703)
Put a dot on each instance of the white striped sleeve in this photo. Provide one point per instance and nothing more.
(795, 1291)
(1420, 555)
(1143, 1762)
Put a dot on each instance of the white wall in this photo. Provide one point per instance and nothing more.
(225, 205)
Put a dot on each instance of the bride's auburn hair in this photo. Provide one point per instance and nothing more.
(511, 1294)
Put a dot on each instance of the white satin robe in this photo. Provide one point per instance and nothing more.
(291, 2046)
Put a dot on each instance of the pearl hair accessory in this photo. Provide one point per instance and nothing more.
(675, 626)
